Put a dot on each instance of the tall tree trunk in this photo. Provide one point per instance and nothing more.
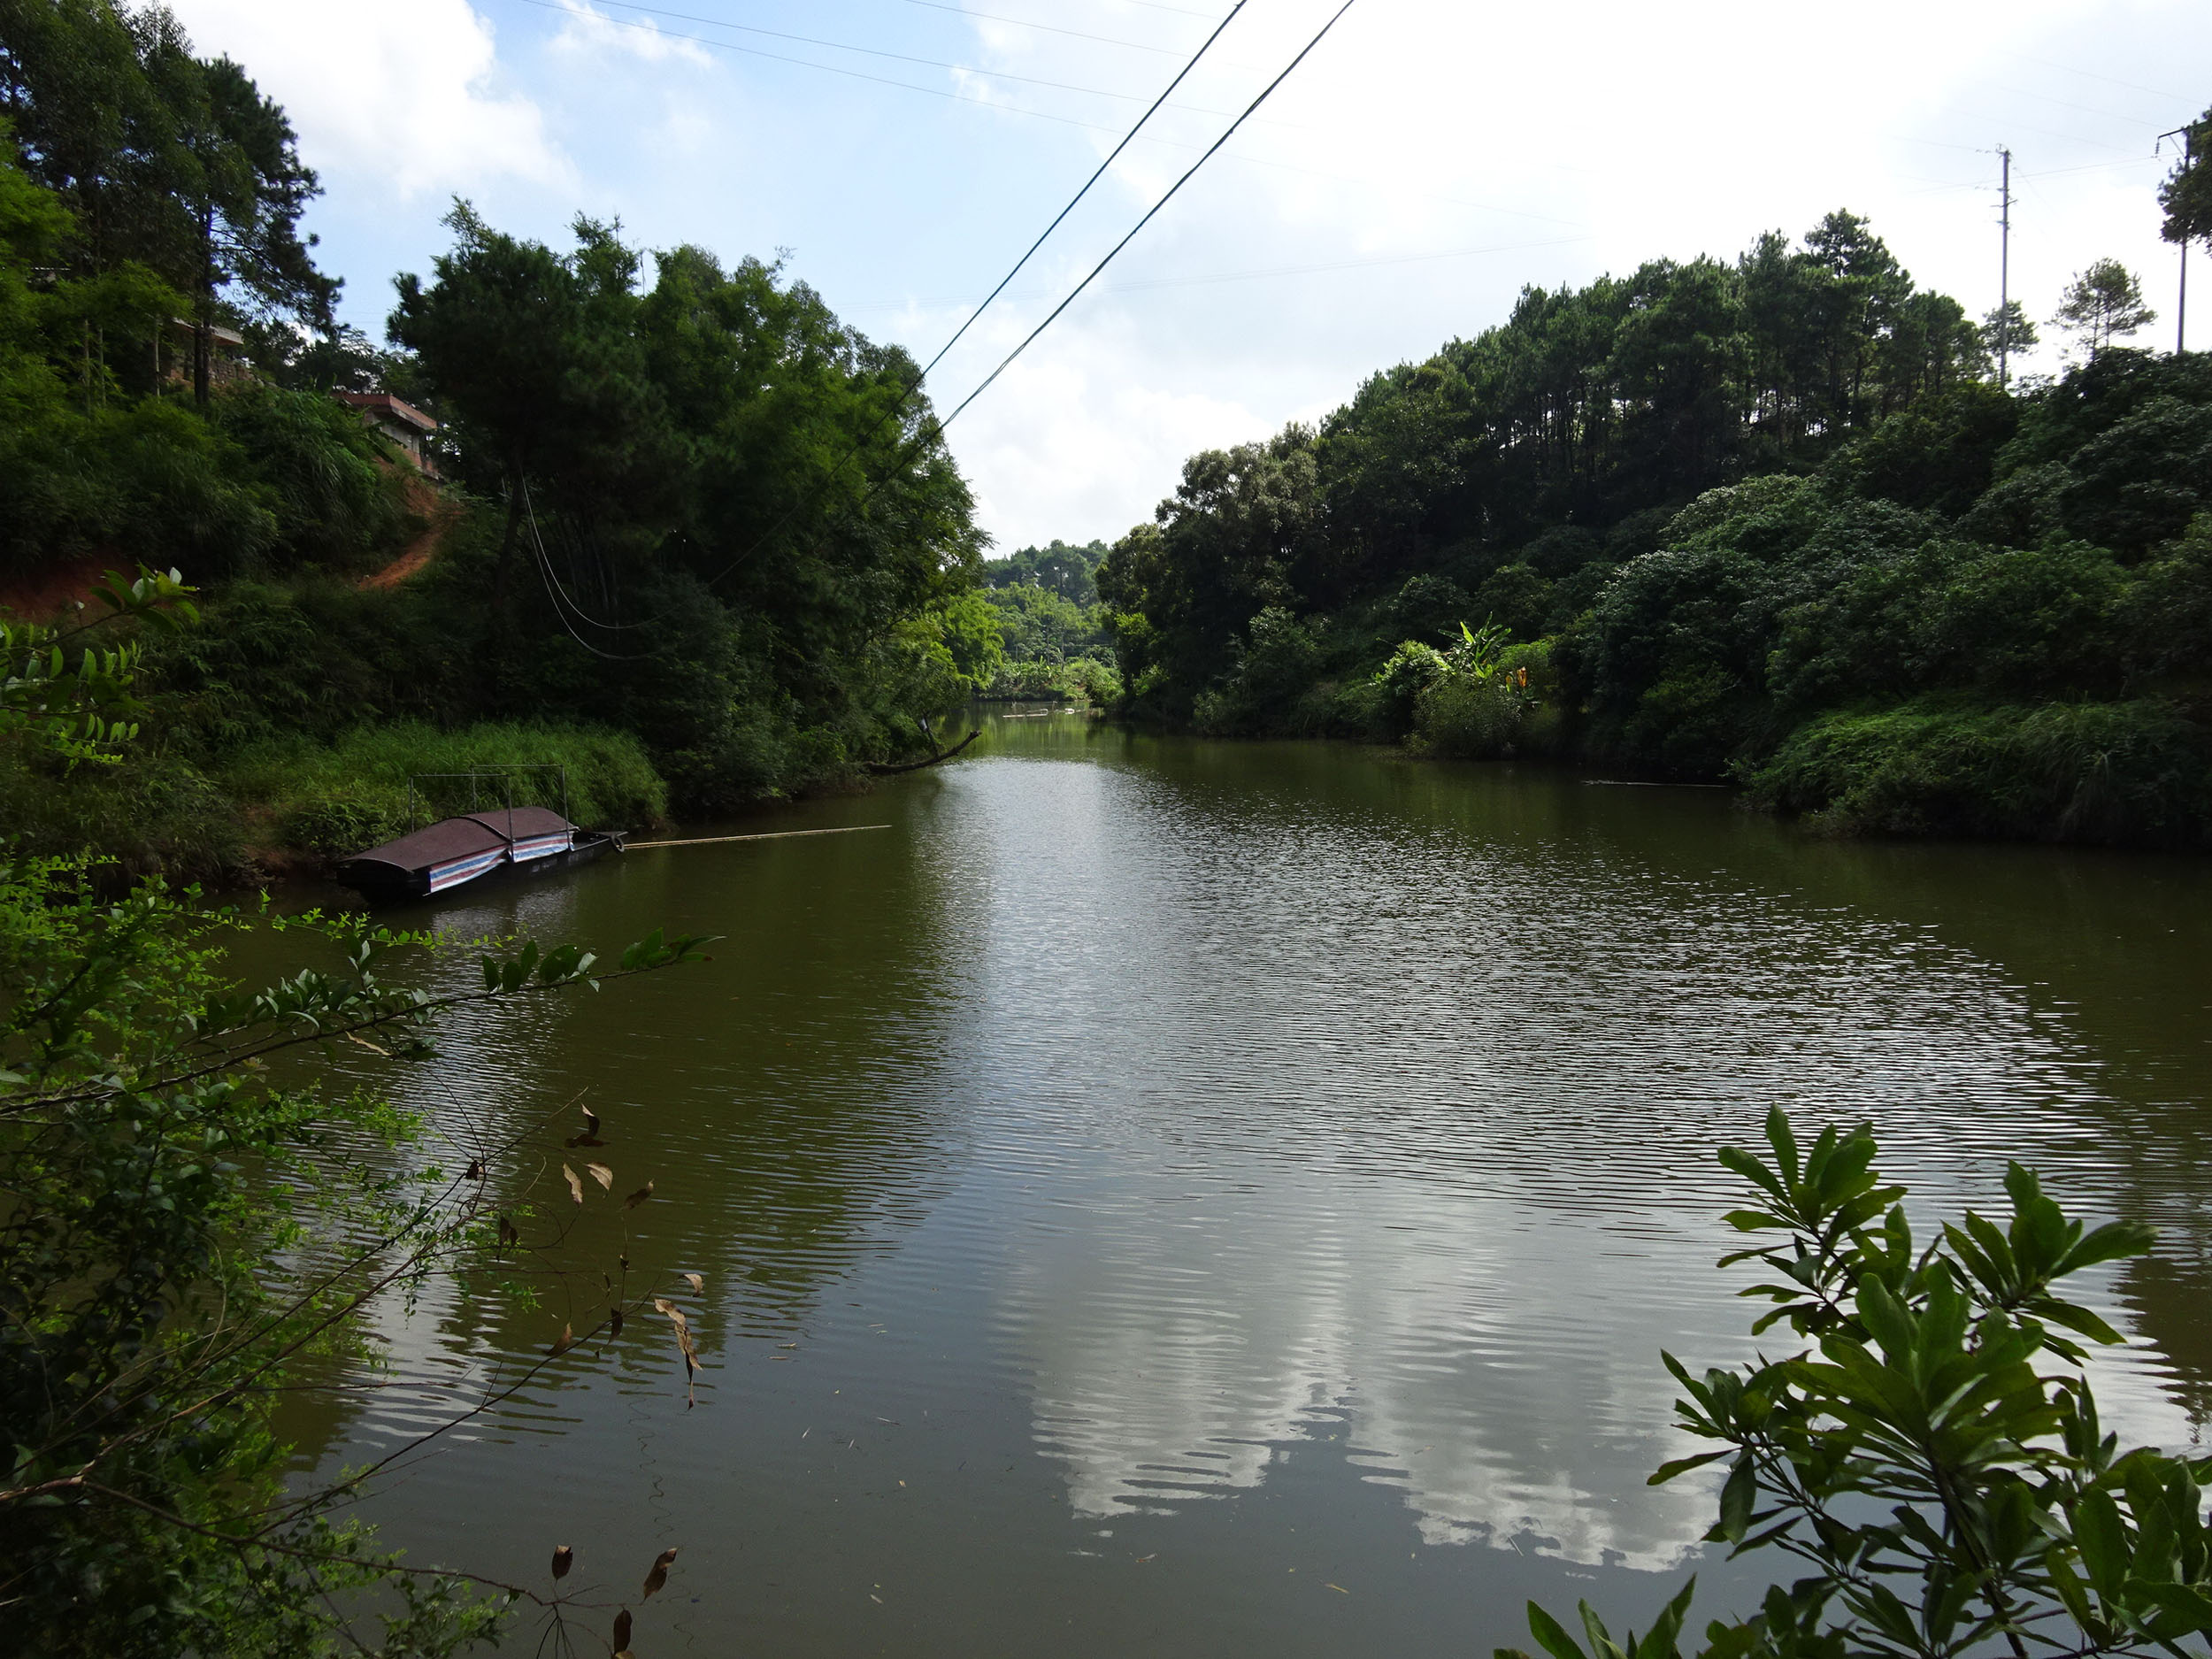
(507, 543)
(203, 324)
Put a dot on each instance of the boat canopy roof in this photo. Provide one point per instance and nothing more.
(459, 837)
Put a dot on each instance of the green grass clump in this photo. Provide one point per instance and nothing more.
(151, 812)
(335, 799)
(2136, 773)
(1462, 717)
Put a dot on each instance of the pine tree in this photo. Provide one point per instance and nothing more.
(2103, 304)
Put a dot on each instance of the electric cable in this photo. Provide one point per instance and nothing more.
(556, 593)
(1049, 28)
(907, 396)
(843, 46)
(1265, 92)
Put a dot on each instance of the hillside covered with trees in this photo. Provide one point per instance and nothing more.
(695, 536)
(1051, 627)
(1772, 521)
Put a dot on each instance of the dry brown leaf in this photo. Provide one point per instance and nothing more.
(657, 1579)
(567, 1341)
(697, 1282)
(622, 1631)
(355, 1036)
(601, 1173)
(475, 1170)
(564, 1558)
(614, 1323)
(575, 1186)
(639, 1196)
(684, 1343)
(507, 1233)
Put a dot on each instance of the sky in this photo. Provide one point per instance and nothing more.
(1426, 162)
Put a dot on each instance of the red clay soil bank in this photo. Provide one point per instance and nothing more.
(42, 595)
(442, 510)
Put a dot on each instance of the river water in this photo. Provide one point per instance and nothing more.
(1190, 1198)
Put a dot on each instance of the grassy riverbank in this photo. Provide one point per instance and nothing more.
(292, 805)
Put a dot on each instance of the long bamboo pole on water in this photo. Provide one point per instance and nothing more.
(771, 836)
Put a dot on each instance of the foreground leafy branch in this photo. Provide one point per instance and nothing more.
(184, 1239)
(74, 699)
(1932, 1458)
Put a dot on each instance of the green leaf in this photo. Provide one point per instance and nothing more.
(1551, 1635)
(1667, 1472)
(2185, 1601)
(1659, 1641)
(2103, 1540)
(1737, 1498)
(1753, 1220)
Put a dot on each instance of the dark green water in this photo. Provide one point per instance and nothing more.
(1200, 1199)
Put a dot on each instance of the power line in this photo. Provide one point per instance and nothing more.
(2107, 115)
(2045, 173)
(1049, 28)
(839, 46)
(906, 396)
(1156, 6)
(556, 593)
(1203, 278)
(1081, 194)
(828, 69)
(1266, 92)
(2070, 70)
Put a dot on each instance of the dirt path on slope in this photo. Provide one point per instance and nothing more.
(442, 510)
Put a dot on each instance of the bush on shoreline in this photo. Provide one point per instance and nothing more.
(286, 801)
(2135, 772)
(332, 800)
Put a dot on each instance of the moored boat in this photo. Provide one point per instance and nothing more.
(473, 847)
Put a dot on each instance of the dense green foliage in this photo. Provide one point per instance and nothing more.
(1052, 628)
(1931, 1457)
(2186, 194)
(184, 1240)
(1768, 521)
(685, 504)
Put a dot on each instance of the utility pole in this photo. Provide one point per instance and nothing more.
(2188, 137)
(2004, 273)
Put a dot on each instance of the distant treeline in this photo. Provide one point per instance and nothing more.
(1052, 630)
(1772, 521)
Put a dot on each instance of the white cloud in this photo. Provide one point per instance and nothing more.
(588, 33)
(405, 97)
(1106, 428)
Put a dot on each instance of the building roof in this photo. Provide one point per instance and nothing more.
(384, 403)
(229, 336)
(470, 833)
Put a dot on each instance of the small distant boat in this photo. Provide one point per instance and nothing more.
(473, 847)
